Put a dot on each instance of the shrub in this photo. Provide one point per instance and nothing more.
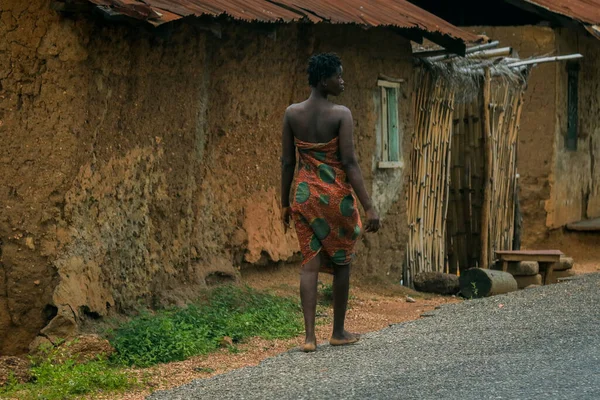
(177, 334)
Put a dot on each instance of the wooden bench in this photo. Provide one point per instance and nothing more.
(545, 258)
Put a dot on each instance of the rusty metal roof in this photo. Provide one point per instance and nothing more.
(585, 11)
(371, 13)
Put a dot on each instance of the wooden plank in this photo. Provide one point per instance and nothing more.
(393, 128)
(530, 252)
(390, 83)
(530, 255)
(538, 258)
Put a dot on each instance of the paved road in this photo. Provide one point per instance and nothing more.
(541, 343)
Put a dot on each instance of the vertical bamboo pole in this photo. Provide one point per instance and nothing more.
(485, 209)
(478, 165)
(445, 187)
(471, 171)
(446, 196)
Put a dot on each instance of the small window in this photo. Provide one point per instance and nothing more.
(390, 155)
(572, 106)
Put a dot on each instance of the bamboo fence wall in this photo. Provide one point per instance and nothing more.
(483, 153)
(429, 174)
(462, 182)
(466, 187)
(504, 109)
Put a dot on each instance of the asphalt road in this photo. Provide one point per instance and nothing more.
(540, 343)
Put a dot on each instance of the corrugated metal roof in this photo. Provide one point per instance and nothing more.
(585, 11)
(397, 13)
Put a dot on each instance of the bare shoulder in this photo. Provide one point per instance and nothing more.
(342, 111)
(294, 109)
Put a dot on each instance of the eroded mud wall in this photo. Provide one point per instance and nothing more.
(576, 175)
(136, 162)
(256, 76)
(101, 141)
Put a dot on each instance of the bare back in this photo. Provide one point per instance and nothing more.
(315, 121)
(318, 121)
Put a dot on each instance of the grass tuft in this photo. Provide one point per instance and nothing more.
(229, 311)
(164, 336)
(325, 293)
(54, 378)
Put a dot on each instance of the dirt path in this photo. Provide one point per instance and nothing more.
(539, 343)
(373, 305)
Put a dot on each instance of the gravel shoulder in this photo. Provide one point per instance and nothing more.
(537, 343)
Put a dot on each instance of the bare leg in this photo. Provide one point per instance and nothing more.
(341, 286)
(308, 295)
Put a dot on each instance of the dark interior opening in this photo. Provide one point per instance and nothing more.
(218, 278)
(49, 312)
(477, 12)
(85, 310)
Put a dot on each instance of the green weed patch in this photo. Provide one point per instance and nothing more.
(56, 379)
(177, 334)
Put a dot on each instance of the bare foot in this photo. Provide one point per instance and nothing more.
(346, 338)
(310, 345)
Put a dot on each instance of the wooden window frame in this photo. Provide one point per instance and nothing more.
(386, 155)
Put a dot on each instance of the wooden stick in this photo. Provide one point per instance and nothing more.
(485, 211)
(473, 49)
(542, 60)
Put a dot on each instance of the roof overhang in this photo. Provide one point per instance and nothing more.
(568, 13)
(400, 15)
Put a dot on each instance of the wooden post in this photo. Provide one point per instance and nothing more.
(485, 209)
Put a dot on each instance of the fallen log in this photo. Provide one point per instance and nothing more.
(520, 268)
(524, 281)
(564, 264)
(524, 268)
(436, 282)
(477, 282)
(558, 275)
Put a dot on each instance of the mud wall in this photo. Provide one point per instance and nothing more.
(135, 163)
(98, 174)
(576, 177)
(245, 125)
(536, 135)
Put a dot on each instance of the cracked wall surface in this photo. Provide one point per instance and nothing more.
(136, 163)
(99, 169)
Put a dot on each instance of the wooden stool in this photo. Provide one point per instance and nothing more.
(545, 258)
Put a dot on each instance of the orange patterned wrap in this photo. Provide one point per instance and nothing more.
(324, 208)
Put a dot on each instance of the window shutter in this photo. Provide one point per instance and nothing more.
(393, 140)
